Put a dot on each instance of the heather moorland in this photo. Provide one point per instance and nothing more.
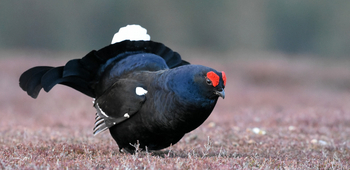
(279, 113)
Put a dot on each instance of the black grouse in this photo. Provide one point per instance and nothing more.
(143, 91)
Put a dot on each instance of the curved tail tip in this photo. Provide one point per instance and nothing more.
(132, 33)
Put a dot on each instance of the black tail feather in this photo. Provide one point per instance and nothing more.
(92, 61)
(77, 81)
(75, 68)
(30, 81)
(173, 59)
(51, 78)
(81, 74)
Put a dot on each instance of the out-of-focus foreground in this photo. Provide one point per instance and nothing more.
(278, 113)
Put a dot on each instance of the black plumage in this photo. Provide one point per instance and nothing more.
(144, 92)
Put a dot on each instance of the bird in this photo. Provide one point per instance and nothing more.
(143, 92)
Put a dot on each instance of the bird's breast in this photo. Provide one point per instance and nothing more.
(165, 111)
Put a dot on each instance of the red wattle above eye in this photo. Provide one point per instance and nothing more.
(224, 77)
(213, 77)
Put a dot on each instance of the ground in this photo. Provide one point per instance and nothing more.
(280, 112)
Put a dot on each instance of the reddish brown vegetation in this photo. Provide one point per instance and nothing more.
(302, 105)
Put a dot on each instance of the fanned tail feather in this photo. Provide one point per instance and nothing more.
(30, 81)
(36, 78)
(81, 74)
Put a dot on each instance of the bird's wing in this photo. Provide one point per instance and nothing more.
(118, 103)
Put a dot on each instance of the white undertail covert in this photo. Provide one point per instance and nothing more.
(132, 33)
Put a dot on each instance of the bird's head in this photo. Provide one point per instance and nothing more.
(211, 82)
(199, 82)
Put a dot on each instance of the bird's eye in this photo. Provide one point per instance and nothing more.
(209, 81)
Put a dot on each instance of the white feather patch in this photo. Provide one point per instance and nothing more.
(140, 91)
(132, 33)
(104, 114)
(126, 115)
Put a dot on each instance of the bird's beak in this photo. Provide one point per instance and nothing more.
(221, 93)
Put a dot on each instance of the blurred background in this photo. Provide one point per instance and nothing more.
(307, 28)
(287, 64)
